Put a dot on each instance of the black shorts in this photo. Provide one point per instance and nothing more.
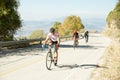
(54, 42)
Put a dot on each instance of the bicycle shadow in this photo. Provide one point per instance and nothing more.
(83, 66)
(87, 66)
(80, 46)
(22, 51)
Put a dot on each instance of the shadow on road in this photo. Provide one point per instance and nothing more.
(31, 50)
(83, 66)
(87, 66)
(38, 48)
(81, 46)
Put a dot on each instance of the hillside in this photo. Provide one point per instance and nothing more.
(111, 59)
(113, 22)
(113, 18)
(96, 24)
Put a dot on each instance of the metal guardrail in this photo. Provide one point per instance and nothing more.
(12, 43)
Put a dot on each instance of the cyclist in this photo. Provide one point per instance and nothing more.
(54, 39)
(75, 37)
(86, 35)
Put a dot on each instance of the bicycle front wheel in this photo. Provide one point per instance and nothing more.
(49, 60)
(75, 44)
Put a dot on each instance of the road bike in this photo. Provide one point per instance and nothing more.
(75, 44)
(51, 57)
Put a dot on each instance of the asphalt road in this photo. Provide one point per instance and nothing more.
(73, 64)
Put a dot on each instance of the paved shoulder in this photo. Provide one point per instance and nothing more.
(73, 64)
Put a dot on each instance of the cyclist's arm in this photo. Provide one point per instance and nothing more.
(46, 40)
(73, 36)
(58, 41)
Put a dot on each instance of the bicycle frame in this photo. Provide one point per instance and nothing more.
(75, 44)
(50, 48)
(50, 57)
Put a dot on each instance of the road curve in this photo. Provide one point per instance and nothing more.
(73, 64)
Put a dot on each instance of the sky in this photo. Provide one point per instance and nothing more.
(50, 9)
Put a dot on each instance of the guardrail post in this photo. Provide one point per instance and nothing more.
(21, 43)
(0, 46)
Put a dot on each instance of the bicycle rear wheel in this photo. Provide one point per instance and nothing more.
(75, 44)
(86, 39)
(49, 60)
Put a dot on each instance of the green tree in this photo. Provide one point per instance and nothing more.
(37, 34)
(113, 22)
(70, 24)
(57, 26)
(9, 19)
(114, 15)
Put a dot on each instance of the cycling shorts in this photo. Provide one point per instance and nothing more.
(54, 42)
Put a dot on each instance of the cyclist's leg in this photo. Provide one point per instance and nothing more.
(50, 42)
(74, 41)
(87, 38)
(77, 41)
(49, 46)
(56, 56)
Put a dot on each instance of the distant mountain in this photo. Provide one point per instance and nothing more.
(97, 24)
(29, 26)
(33, 25)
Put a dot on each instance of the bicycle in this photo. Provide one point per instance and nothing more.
(86, 39)
(75, 44)
(50, 57)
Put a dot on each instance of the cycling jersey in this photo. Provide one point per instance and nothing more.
(53, 37)
(76, 35)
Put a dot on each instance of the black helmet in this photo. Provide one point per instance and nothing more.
(52, 30)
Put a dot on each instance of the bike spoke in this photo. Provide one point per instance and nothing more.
(49, 61)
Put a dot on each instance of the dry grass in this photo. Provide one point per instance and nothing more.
(112, 33)
(111, 61)
(32, 43)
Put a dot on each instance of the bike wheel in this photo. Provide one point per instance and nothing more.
(49, 60)
(86, 39)
(75, 44)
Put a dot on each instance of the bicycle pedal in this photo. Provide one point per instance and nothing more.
(50, 55)
(55, 62)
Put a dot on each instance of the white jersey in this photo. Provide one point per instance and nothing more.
(53, 37)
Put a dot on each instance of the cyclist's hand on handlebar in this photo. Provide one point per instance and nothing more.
(43, 42)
